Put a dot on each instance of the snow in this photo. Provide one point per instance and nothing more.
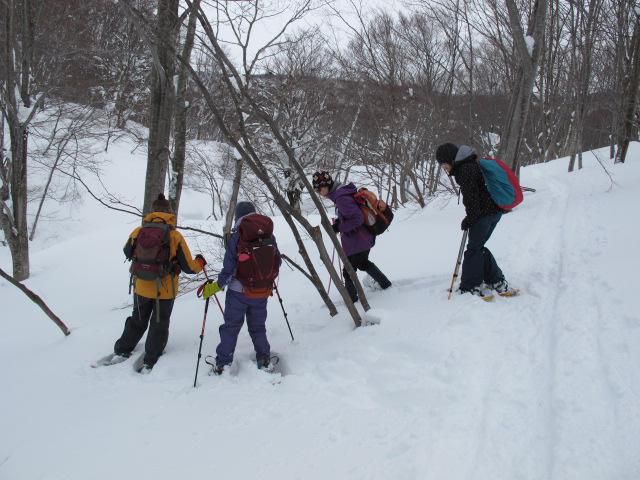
(544, 385)
(530, 41)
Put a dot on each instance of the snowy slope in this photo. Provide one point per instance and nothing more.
(544, 385)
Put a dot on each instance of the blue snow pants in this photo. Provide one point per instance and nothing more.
(478, 264)
(237, 305)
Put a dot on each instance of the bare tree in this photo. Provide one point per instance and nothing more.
(162, 99)
(238, 87)
(38, 301)
(528, 47)
(16, 55)
(631, 82)
(69, 128)
(182, 107)
(584, 27)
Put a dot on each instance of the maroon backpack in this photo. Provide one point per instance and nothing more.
(258, 257)
(151, 258)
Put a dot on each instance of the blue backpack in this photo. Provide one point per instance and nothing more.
(502, 184)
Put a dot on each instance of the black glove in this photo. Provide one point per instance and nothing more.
(201, 259)
(336, 226)
(465, 224)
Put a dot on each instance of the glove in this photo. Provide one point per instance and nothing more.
(200, 259)
(210, 288)
(336, 226)
(465, 224)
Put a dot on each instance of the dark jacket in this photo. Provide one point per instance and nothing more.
(354, 235)
(475, 196)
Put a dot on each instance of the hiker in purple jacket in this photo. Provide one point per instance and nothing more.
(238, 304)
(356, 240)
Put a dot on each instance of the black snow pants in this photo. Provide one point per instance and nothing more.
(478, 264)
(360, 261)
(143, 316)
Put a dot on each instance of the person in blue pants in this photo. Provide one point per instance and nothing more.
(238, 305)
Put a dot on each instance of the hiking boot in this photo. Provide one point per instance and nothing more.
(216, 369)
(265, 365)
(477, 291)
(370, 283)
(501, 287)
(146, 369)
(376, 275)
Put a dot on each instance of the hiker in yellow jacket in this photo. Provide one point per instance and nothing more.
(159, 254)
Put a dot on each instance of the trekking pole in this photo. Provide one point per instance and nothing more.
(459, 262)
(285, 313)
(204, 323)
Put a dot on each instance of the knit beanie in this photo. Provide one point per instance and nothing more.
(322, 179)
(244, 208)
(161, 204)
(446, 153)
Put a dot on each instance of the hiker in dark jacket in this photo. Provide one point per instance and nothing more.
(356, 240)
(238, 304)
(478, 266)
(152, 301)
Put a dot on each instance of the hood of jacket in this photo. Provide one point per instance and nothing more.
(464, 152)
(169, 218)
(340, 190)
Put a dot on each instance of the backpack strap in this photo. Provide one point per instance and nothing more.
(158, 285)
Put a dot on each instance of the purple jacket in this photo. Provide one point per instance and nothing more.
(354, 235)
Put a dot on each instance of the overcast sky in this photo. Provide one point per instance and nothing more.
(324, 16)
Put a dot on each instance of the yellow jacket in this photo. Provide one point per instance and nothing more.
(180, 255)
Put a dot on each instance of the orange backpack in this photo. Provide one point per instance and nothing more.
(377, 214)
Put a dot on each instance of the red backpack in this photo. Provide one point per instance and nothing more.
(258, 258)
(151, 257)
(377, 214)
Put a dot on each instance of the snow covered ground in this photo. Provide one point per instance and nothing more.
(541, 386)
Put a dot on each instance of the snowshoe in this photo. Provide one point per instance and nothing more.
(215, 368)
(139, 364)
(145, 370)
(478, 292)
(502, 288)
(111, 359)
(268, 364)
(371, 284)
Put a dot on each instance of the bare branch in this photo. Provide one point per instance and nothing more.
(37, 300)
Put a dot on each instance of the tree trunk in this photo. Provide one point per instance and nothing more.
(182, 109)
(516, 119)
(585, 50)
(27, 52)
(162, 101)
(14, 220)
(625, 134)
(233, 201)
